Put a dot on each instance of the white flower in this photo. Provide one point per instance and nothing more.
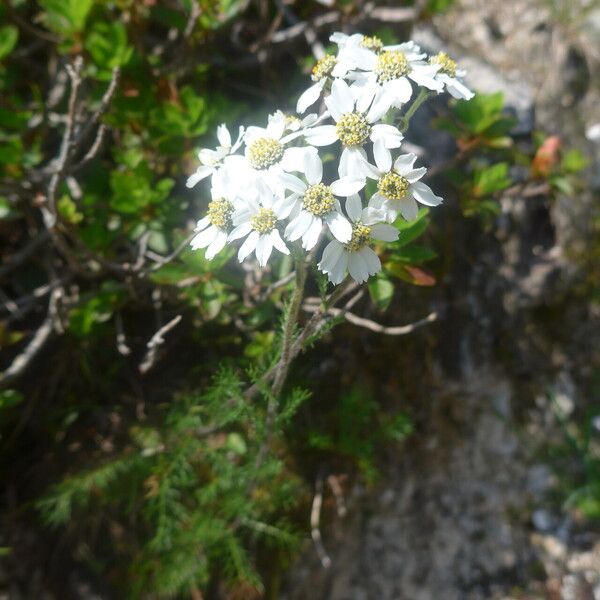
(321, 74)
(257, 219)
(212, 231)
(356, 257)
(314, 204)
(448, 74)
(385, 80)
(353, 128)
(265, 146)
(398, 187)
(211, 160)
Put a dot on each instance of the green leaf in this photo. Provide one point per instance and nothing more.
(490, 180)
(573, 161)
(66, 17)
(413, 254)
(68, 210)
(481, 112)
(107, 45)
(381, 290)
(9, 398)
(411, 230)
(9, 35)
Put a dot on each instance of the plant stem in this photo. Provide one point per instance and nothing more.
(412, 109)
(289, 327)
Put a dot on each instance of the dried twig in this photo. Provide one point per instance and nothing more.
(154, 344)
(372, 325)
(22, 361)
(315, 528)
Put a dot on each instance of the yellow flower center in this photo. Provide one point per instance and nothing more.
(391, 65)
(447, 65)
(265, 152)
(393, 186)
(264, 221)
(361, 236)
(318, 200)
(353, 129)
(372, 43)
(323, 67)
(219, 213)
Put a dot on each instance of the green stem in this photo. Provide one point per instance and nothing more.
(289, 327)
(412, 109)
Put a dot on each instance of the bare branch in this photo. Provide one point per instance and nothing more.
(315, 527)
(154, 344)
(372, 325)
(37, 342)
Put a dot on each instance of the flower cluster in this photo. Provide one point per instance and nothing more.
(269, 188)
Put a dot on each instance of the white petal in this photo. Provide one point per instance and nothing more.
(202, 224)
(199, 175)
(425, 79)
(383, 157)
(357, 266)
(366, 91)
(408, 208)
(240, 231)
(216, 246)
(298, 226)
(323, 135)
(381, 104)
(293, 159)
(400, 89)
(341, 98)
(276, 126)
(337, 273)
(458, 90)
(291, 182)
(278, 242)
(354, 207)
(284, 207)
(339, 226)
(331, 255)
(404, 163)
(248, 246)
(415, 174)
(371, 260)
(347, 186)
(424, 195)
(351, 161)
(204, 238)
(309, 96)
(384, 232)
(388, 133)
(264, 247)
(311, 237)
(223, 135)
(313, 167)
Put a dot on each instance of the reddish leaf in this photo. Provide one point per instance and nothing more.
(420, 277)
(546, 157)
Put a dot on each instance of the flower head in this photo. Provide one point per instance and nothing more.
(398, 185)
(257, 220)
(353, 128)
(356, 255)
(212, 160)
(314, 204)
